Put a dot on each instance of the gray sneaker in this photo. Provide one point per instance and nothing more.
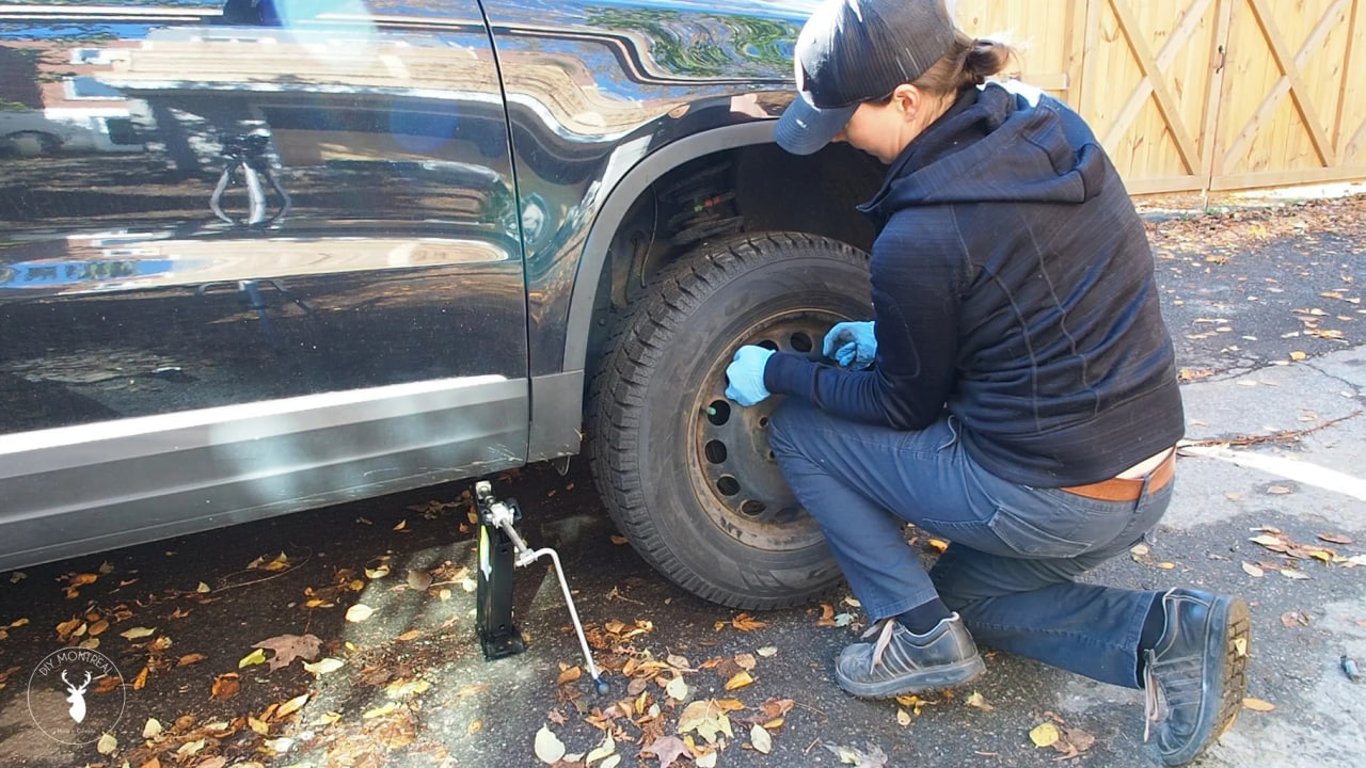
(900, 661)
(1196, 675)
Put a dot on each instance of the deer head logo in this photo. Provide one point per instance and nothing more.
(76, 697)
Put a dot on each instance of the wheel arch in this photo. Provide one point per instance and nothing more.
(847, 177)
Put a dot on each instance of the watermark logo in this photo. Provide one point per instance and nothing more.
(75, 695)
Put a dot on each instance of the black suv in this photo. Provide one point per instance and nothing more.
(266, 256)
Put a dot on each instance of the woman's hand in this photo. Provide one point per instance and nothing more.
(852, 345)
(746, 375)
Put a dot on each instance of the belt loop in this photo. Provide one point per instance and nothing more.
(1143, 491)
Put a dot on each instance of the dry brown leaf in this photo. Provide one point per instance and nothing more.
(977, 700)
(1253, 570)
(287, 648)
(569, 674)
(411, 634)
(140, 681)
(190, 658)
(746, 623)
(225, 686)
(1331, 538)
(745, 661)
(291, 706)
(1279, 490)
(1257, 705)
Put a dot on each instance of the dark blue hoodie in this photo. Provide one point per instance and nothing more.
(1012, 284)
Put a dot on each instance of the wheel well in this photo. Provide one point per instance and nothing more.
(748, 189)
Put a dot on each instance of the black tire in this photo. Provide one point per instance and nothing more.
(696, 491)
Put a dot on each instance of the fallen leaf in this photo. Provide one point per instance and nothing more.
(411, 634)
(1044, 735)
(258, 726)
(359, 612)
(977, 700)
(746, 623)
(903, 718)
(257, 656)
(140, 681)
(279, 746)
(401, 689)
(287, 648)
(1257, 705)
(569, 674)
(611, 762)
(667, 749)
(323, 666)
(760, 738)
(152, 729)
(549, 748)
(202, 588)
(602, 751)
(1278, 490)
(706, 718)
(767, 651)
(380, 711)
(677, 689)
(745, 661)
(706, 761)
(190, 658)
(873, 758)
(1291, 573)
(107, 744)
(291, 706)
(137, 633)
(1293, 619)
(377, 573)
(1298, 356)
(419, 579)
(1335, 538)
(938, 545)
(225, 686)
(217, 761)
(1166, 566)
(739, 680)
(1253, 570)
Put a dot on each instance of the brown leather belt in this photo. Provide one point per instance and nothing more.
(1128, 489)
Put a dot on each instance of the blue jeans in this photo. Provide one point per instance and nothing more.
(1016, 550)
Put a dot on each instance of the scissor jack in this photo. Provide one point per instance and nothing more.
(501, 549)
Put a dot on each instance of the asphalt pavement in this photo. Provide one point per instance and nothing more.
(1265, 307)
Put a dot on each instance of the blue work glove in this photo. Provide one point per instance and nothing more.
(852, 345)
(746, 375)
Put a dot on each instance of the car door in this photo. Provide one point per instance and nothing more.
(251, 260)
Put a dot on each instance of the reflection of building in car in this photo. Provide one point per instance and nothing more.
(50, 101)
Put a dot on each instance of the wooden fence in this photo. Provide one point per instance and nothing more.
(1201, 94)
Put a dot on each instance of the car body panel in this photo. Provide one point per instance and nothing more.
(281, 255)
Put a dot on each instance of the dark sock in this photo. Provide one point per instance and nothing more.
(924, 617)
(1153, 625)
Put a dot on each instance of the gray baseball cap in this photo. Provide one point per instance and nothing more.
(852, 51)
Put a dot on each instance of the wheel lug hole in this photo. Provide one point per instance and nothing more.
(718, 413)
(753, 508)
(801, 342)
(728, 485)
(715, 451)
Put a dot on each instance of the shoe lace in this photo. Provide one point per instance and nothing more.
(884, 638)
(1154, 703)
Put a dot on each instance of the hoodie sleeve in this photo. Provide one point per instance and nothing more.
(918, 270)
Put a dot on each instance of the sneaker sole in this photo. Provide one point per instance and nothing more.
(1229, 642)
(936, 679)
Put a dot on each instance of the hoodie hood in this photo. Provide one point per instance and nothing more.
(995, 145)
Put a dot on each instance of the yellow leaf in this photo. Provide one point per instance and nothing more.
(323, 666)
(107, 744)
(740, 680)
(474, 727)
(377, 573)
(730, 705)
(137, 632)
(1253, 570)
(202, 588)
(191, 748)
(606, 748)
(903, 718)
(1044, 735)
(1257, 705)
(140, 681)
(380, 711)
(152, 729)
(569, 675)
(1166, 566)
(291, 706)
(1298, 356)
(259, 726)
(939, 545)
(257, 656)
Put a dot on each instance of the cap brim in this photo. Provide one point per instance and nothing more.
(804, 128)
